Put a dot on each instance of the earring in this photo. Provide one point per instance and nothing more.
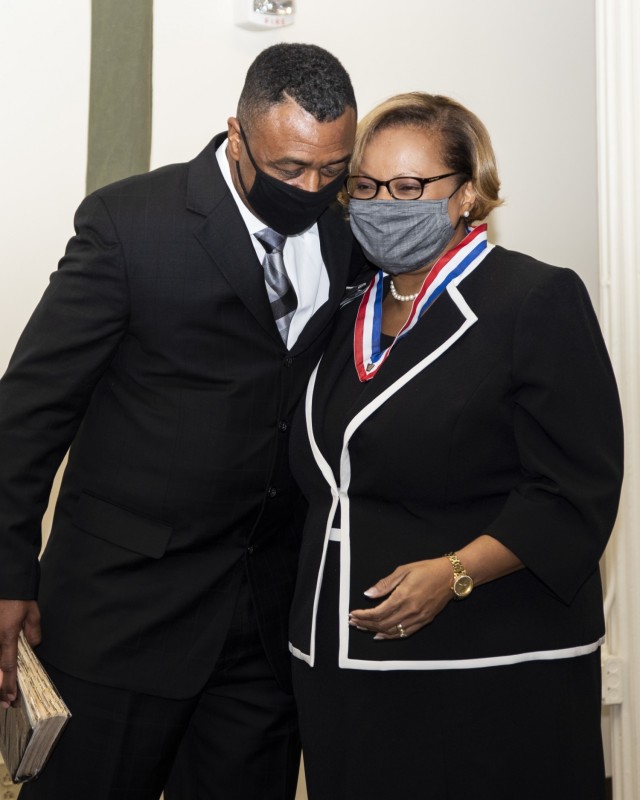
(466, 214)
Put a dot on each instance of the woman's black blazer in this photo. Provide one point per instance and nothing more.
(498, 413)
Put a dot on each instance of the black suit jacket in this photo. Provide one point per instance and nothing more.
(498, 413)
(154, 354)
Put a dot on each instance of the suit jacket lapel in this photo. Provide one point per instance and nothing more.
(442, 325)
(224, 235)
(439, 328)
(226, 239)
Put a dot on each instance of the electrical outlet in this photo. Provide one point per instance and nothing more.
(612, 684)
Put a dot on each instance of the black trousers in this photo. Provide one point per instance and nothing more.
(236, 740)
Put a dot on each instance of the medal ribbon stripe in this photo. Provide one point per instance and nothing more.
(366, 320)
(454, 265)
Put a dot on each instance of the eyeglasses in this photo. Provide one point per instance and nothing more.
(361, 187)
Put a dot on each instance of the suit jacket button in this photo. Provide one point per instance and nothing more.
(283, 426)
(272, 491)
(288, 361)
(250, 550)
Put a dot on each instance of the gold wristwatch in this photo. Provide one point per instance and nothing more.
(462, 584)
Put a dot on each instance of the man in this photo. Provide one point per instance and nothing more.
(168, 352)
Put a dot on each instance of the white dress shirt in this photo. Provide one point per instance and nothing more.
(302, 259)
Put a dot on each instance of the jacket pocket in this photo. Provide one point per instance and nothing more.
(121, 527)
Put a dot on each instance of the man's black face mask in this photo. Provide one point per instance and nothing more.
(285, 208)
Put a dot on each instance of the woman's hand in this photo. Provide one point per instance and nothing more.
(415, 594)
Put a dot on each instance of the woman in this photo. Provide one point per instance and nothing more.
(461, 451)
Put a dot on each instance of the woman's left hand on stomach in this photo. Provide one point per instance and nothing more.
(415, 594)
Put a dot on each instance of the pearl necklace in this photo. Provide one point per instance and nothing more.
(403, 298)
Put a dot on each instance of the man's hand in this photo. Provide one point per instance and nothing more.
(15, 615)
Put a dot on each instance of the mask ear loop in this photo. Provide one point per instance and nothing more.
(244, 188)
(251, 158)
(249, 153)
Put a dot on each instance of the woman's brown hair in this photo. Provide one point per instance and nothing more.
(463, 141)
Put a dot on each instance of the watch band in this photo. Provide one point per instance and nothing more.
(458, 569)
(462, 583)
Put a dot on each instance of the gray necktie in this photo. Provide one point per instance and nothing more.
(282, 295)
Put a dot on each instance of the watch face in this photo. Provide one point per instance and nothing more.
(462, 586)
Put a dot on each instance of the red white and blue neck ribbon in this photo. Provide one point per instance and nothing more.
(454, 265)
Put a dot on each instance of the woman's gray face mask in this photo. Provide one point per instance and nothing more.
(401, 235)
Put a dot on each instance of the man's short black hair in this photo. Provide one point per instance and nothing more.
(307, 74)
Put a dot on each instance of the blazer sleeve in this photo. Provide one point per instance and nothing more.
(568, 429)
(60, 356)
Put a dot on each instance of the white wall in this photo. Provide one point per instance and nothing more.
(44, 106)
(527, 69)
